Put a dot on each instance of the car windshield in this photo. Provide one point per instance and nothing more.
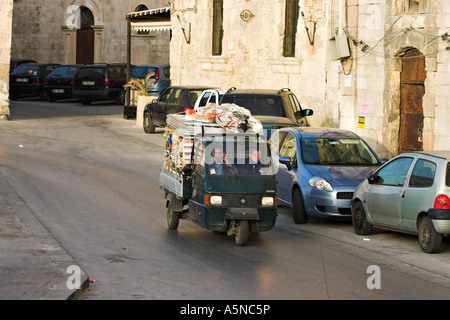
(141, 72)
(336, 151)
(264, 105)
(64, 72)
(26, 70)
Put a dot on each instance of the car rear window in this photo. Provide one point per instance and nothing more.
(64, 72)
(142, 72)
(91, 73)
(117, 72)
(258, 105)
(26, 70)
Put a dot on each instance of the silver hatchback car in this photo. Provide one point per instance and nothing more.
(411, 194)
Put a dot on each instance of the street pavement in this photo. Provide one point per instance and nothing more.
(33, 265)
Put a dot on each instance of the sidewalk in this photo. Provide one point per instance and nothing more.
(33, 265)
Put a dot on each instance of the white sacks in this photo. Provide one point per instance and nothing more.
(229, 116)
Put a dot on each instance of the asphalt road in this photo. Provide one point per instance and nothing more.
(91, 178)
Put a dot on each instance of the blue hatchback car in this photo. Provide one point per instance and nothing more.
(318, 170)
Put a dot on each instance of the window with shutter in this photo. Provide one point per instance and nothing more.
(217, 27)
(290, 31)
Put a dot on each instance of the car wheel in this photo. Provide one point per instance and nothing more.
(173, 218)
(119, 99)
(429, 240)
(241, 236)
(298, 208)
(149, 127)
(359, 219)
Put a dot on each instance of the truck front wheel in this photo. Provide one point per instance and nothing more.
(241, 236)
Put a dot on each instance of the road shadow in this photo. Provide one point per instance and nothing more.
(34, 108)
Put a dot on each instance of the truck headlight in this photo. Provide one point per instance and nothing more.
(320, 183)
(216, 200)
(267, 201)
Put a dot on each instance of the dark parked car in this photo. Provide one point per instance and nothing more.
(271, 123)
(171, 100)
(319, 170)
(59, 84)
(100, 82)
(14, 63)
(161, 79)
(28, 80)
(279, 103)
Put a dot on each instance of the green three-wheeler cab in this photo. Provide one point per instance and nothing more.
(229, 186)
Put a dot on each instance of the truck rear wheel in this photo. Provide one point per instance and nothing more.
(173, 218)
(241, 236)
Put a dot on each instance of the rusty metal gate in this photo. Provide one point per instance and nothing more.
(412, 89)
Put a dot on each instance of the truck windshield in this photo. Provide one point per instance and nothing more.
(238, 157)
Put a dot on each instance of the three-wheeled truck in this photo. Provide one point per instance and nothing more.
(237, 199)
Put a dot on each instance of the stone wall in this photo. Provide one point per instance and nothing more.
(364, 87)
(42, 31)
(5, 54)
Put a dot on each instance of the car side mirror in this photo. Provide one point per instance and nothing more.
(154, 100)
(307, 112)
(286, 161)
(383, 160)
(372, 178)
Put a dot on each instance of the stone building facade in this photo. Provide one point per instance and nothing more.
(50, 31)
(392, 88)
(5, 53)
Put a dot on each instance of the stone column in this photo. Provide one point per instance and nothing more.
(5, 56)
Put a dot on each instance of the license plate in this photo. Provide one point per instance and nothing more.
(22, 80)
(88, 83)
(58, 90)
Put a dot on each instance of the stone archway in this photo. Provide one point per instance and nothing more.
(72, 23)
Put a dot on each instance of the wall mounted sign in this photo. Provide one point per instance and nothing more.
(246, 15)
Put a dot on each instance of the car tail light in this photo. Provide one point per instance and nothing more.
(46, 81)
(157, 76)
(442, 201)
(72, 82)
(186, 109)
(106, 79)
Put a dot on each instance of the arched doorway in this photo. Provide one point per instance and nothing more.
(85, 37)
(412, 90)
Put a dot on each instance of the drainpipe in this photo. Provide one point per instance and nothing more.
(127, 92)
(340, 32)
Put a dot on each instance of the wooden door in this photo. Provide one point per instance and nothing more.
(411, 108)
(85, 38)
